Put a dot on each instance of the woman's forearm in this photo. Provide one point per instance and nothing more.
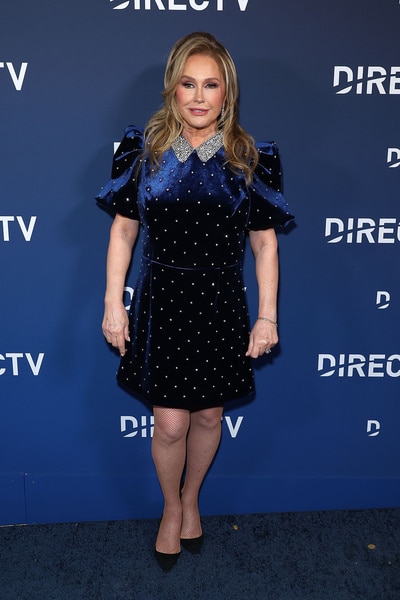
(264, 334)
(123, 235)
(265, 250)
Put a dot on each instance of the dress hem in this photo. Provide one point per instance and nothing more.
(195, 406)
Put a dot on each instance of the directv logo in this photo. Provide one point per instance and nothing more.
(133, 427)
(373, 428)
(171, 5)
(17, 74)
(382, 299)
(363, 230)
(367, 80)
(358, 365)
(393, 157)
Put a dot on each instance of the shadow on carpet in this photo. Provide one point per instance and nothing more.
(332, 555)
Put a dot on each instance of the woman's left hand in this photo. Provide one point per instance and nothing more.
(263, 337)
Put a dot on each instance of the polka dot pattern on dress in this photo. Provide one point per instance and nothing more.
(189, 319)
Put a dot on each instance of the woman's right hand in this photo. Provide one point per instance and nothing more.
(116, 326)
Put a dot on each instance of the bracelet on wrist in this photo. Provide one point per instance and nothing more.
(268, 321)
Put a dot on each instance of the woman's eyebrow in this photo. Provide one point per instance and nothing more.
(194, 78)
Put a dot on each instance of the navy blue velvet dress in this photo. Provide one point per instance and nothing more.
(189, 323)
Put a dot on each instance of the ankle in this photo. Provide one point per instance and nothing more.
(169, 532)
(172, 511)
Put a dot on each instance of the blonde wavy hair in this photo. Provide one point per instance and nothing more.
(166, 124)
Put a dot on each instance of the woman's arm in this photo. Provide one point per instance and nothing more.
(264, 334)
(123, 236)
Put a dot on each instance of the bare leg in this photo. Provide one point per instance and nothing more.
(169, 454)
(202, 444)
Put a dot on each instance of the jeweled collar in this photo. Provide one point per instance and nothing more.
(205, 151)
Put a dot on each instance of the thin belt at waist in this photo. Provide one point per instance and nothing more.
(194, 268)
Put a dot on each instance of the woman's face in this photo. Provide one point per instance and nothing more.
(200, 96)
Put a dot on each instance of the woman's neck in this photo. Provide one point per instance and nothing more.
(196, 137)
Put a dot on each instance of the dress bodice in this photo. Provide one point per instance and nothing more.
(195, 193)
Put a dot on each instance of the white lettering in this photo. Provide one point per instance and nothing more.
(173, 5)
(328, 229)
(350, 228)
(382, 299)
(16, 356)
(362, 230)
(6, 233)
(336, 78)
(233, 430)
(124, 426)
(374, 365)
(322, 358)
(133, 427)
(394, 87)
(369, 80)
(365, 227)
(383, 230)
(356, 365)
(373, 368)
(393, 157)
(27, 231)
(376, 81)
(18, 80)
(389, 368)
(373, 427)
(35, 367)
(146, 428)
(14, 361)
(143, 422)
(341, 365)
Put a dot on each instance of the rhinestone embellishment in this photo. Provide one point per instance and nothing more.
(205, 151)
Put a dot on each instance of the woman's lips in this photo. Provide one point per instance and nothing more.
(198, 111)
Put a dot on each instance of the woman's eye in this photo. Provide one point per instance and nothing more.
(187, 84)
(212, 85)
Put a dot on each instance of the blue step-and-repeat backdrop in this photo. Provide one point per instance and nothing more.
(322, 79)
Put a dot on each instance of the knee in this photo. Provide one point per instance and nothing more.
(170, 428)
(209, 419)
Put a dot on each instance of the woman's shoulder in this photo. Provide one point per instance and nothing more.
(269, 168)
(266, 148)
(130, 147)
(133, 137)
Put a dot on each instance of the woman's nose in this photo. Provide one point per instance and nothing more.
(199, 95)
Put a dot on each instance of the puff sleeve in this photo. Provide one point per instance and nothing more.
(267, 206)
(119, 194)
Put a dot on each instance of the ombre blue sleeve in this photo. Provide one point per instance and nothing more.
(119, 194)
(268, 207)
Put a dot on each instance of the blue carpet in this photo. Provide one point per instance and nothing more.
(333, 555)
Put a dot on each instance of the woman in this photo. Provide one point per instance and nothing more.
(197, 185)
